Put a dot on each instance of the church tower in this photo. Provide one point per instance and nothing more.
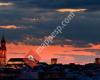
(3, 51)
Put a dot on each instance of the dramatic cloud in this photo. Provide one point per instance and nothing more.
(71, 10)
(27, 22)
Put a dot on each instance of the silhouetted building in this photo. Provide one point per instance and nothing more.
(3, 51)
(97, 60)
(54, 61)
(16, 61)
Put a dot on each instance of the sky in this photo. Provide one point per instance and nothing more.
(26, 23)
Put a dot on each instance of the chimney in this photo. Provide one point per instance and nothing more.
(97, 60)
(53, 60)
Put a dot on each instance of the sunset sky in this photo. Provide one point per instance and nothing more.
(26, 23)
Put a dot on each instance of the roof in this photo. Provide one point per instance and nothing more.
(16, 60)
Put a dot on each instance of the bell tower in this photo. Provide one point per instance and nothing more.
(3, 51)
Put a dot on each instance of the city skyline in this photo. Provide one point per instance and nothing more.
(27, 23)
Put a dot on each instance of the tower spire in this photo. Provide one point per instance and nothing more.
(3, 42)
(3, 51)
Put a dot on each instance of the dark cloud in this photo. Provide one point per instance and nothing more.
(82, 30)
(56, 4)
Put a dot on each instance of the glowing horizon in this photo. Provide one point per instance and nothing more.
(66, 54)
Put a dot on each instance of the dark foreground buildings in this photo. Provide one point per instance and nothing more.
(16, 69)
(21, 69)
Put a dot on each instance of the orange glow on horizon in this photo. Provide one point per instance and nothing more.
(64, 54)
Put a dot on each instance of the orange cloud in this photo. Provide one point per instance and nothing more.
(81, 53)
(10, 27)
(21, 50)
(95, 46)
(71, 10)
